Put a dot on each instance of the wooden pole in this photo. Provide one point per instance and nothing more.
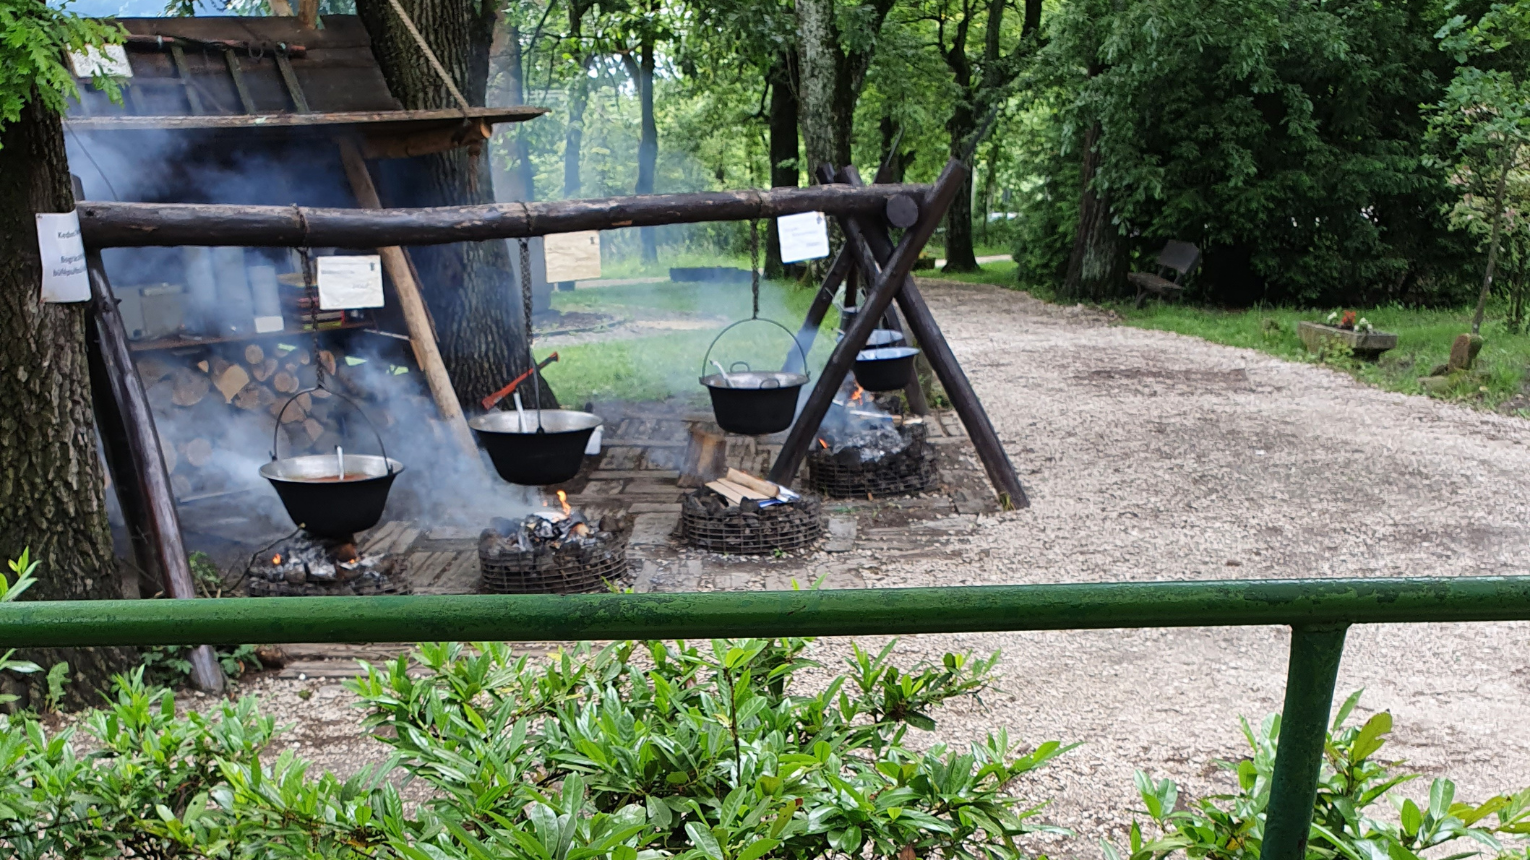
(880, 297)
(899, 207)
(873, 247)
(161, 522)
(816, 311)
(106, 224)
(119, 461)
(421, 334)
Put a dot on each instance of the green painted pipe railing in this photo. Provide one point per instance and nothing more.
(1318, 612)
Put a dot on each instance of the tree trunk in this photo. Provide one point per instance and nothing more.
(648, 139)
(1097, 267)
(959, 254)
(514, 179)
(818, 52)
(480, 324)
(1492, 260)
(784, 169)
(52, 487)
(573, 135)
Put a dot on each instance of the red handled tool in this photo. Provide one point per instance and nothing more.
(493, 399)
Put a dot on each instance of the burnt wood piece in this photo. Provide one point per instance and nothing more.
(161, 523)
(913, 391)
(874, 247)
(120, 225)
(878, 299)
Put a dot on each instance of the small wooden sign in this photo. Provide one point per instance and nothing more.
(572, 256)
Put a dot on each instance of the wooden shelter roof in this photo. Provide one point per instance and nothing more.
(270, 76)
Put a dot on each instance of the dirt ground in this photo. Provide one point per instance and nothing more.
(1153, 456)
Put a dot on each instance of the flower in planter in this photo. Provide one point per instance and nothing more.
(1364, 325)
(1348, 320)
(1333, 318)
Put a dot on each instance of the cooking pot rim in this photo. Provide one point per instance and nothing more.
(391, 467)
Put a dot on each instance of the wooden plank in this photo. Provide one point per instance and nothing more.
(392, 122)
(236, 73)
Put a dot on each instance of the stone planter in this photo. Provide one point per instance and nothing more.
(1368, 345)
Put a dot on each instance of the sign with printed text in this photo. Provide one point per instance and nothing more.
(350, 282)
(804, 236)
(572, 256)
(64, 278)
(110, 60)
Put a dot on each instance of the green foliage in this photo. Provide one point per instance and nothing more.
(635, 752)
(170, 665)
(23, 568)
(1352, 782)
(1283, 138)
(727, 761)
(33, 39)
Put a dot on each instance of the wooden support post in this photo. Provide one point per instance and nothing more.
(416, 317)
(886, 285)
(874, 248)
(119, 462)
(814, 319)
(146, 473)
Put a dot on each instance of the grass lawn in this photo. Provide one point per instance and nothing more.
(660, 366)
(1424, 337)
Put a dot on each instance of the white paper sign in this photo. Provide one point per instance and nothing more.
(63, 257)
(572, 256)
(350, 282)
(804, 236)
(104, 60)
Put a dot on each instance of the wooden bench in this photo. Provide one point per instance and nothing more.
(1178, 257)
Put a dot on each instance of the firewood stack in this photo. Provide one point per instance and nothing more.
(227, 398)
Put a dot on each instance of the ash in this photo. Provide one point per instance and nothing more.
(305, 565)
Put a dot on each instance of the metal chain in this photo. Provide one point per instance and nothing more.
(754, 265)
(531, 356)
(311, 287)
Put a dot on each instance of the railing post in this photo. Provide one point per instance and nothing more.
(1310, 676)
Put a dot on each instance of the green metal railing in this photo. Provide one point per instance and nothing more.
(1318, 612)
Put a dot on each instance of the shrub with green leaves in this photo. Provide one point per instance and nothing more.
(1344, 825)
(633, 752)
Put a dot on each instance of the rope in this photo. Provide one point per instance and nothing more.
(754, 265)
(430, 55)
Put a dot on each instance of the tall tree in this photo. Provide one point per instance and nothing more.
(582, 55)
(833, 59)
(644, 26)
(52, 486)
(982, 78)
(515, 180)
(785, 171)
(470, 287)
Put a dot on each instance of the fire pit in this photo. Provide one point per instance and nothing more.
(552, 552)
(869, 459)
(305, 565)
(711, 521)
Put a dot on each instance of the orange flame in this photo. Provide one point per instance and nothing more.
(563, 500)
(824, 444)
(276, 559)
(859, 392)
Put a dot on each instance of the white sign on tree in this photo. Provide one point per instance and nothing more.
(64, 278)
(804, 236)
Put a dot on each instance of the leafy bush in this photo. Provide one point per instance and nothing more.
(634, 752)
(1353, 780)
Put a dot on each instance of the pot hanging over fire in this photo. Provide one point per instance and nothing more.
(332, 495)
(886, 368)
(535, 447)
(752, 402)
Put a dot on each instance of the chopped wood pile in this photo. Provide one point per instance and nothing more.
(225, 399)
(742, 513)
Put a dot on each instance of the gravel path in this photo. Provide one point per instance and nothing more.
(1152, 456)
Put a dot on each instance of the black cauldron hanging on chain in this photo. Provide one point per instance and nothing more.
(330, 495)
(534, 447)
(746, 401)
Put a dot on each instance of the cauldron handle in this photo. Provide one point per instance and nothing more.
(276, 432)
(705, 359)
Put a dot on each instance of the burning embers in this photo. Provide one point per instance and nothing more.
(745, 514)
(863, 451)
(552, 552)
(304, 566)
